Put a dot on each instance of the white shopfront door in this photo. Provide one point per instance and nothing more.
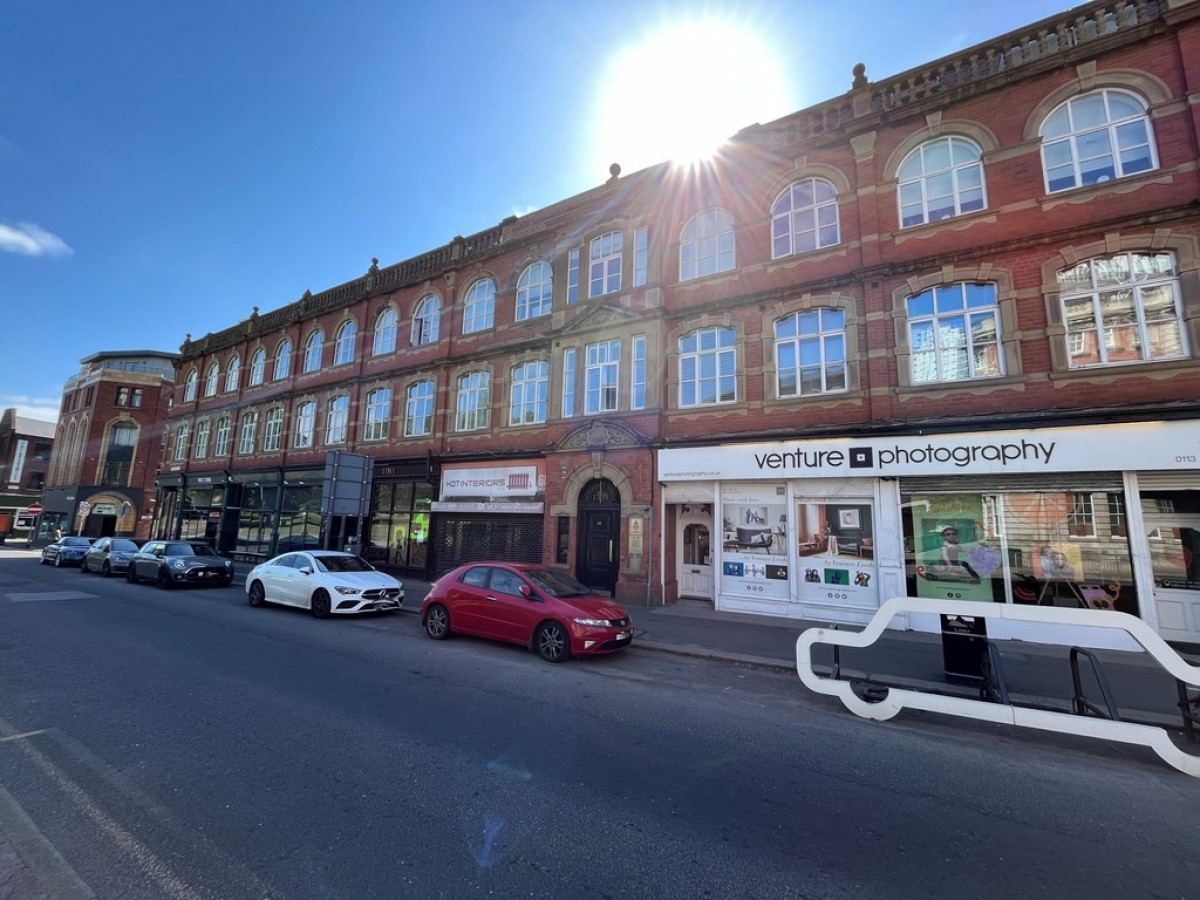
(1174, 542)
(695, 562)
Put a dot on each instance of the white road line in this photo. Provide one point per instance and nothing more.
(47, 865)
(27, 734)
(51, 595)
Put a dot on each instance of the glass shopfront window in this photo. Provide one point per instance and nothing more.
(200, 513)
(1044, 548)
(400, 524)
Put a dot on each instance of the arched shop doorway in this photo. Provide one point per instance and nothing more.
(597, 556)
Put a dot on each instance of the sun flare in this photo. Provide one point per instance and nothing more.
(682, 90)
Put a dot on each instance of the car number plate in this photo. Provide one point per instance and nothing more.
(623, 636)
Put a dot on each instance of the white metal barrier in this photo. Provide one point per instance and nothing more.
(897, 699)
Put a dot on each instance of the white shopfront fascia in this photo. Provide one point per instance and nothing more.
(874, 465)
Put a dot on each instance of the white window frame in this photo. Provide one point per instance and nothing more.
(1138, 280)
(535, 291)
(418, 408)
(472, 401)
(306, 425)
(190, 386)
(937, 319)
(224, 433)
(200, 450)
(602, 377)
(183, 437)
(258, 367)
(920, 173)
(426, 321)
(212, 379)
(637, 386)
(573, 276)
(283, 359)
(529, 393)
(1114, 131)
(706, 245)
(708, 367)
(604, 264)
(386, 324)
(379, 413)
(314, 349)
(337, 420)
(479, 307)
(568, 383)
(273, 430)
(344, 343)
(641, 256)
(811, 348)
(247, 433)
(804, 208)
(233, 373)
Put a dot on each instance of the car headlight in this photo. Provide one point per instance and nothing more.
(598, 623)
(179, 564)
(347, 590)
(229, 563)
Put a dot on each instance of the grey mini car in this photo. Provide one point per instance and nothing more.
(171, 563)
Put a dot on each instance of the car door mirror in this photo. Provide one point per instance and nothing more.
(306, 570)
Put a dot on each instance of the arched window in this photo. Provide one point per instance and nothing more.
(810, 353)
(708, 367)
(312, 351)
(337, 418)
(941, 179)
(804, 218)
(273, 429)
(283, 360)
(221, 445)
(306, 422)
(258, 367)
(425, 321)
(233, 374)
(535, 292)
(706, 245)
(1096, 137)
(479, 310)
(418, 409)
(530, 389)
(189, 386)
(379, 411)
(343, 346)
(211, 378)
(385, 332)
(474, 397)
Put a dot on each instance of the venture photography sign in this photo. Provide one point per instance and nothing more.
(1148, 445)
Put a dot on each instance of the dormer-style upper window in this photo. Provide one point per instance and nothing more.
(1095, 138)
(706, 245)
(804, 218)
(941, 179)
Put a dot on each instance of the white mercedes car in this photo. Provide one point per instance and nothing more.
(323, 582)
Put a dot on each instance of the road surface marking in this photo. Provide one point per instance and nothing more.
(51, 595)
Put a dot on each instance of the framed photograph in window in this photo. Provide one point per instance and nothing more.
(848, 518)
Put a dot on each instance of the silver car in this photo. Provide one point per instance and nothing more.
(108, 555)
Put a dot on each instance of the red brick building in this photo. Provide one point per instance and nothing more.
(25, 445)
(108, 445)
(789, 381)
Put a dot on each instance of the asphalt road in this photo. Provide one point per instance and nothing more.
(183, 744)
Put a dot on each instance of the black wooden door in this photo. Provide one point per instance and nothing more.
(598, 553)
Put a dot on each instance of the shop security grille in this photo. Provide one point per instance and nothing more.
(1066, 482)
(462, 539)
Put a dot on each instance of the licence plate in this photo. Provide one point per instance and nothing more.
(623, 636)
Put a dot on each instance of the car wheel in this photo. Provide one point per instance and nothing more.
(164, 579)
(257, 596)
(552, 643)
(105, 570)
(58, 562)
(131, 574)
(320, 603)
(83, 566)
(437, 622)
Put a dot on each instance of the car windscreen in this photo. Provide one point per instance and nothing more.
(556, 584)
(123, 545)
(76, 542)
(189, 550)
(343, 564)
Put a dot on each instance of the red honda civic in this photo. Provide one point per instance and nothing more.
(525, 603)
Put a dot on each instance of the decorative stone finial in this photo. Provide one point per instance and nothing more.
(860, 76)
(615, 171)
(374, 264)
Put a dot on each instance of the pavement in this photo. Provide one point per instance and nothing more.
(1037, 675)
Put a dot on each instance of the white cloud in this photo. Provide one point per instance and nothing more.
(44, 409)
(32, 240)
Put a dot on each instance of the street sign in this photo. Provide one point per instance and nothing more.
(84, 509)
(34, 509)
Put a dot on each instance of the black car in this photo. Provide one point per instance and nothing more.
(170, 563)
(109, 555)
(67, 551)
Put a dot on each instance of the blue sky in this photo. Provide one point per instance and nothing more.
(167, 166)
